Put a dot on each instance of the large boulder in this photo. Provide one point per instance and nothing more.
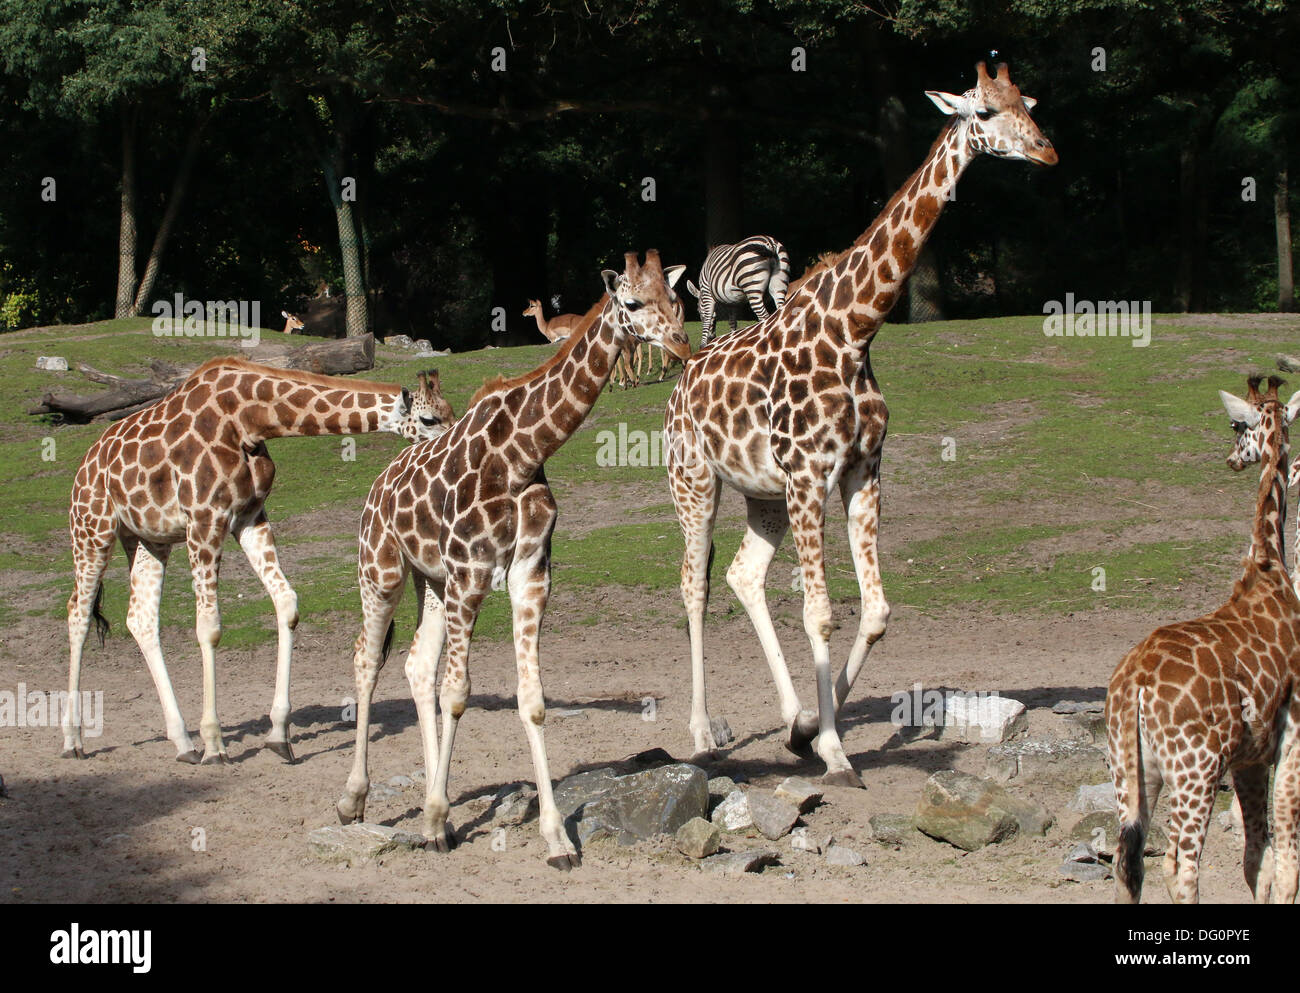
(970, 812)
(628, 809)
(1059, 760)
(360, 842)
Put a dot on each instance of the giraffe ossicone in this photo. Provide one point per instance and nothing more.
(194, 468)
(789, 409)
(453, 513)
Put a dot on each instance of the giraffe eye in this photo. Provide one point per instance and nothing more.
(634, 305)
(1239, 426)
(983, 113)
(428, 422)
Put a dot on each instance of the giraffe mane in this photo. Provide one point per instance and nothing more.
(498, 383)
(295, 375)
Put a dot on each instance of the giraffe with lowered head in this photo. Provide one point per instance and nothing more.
(471, 509)
(194, 468)
(789, 409)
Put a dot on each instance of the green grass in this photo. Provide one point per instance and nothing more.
(1041, 426)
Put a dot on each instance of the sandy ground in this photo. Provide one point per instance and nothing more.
(123, 824)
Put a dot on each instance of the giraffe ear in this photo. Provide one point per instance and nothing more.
(1293, 407)
(1239, 410)
(674, 273)
(611, 280)
(1029, 102)
(950, 103)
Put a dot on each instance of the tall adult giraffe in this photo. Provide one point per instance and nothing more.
(472, 507)
(194, 468)
(786, 410)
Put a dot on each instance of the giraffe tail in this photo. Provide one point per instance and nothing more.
(97, 614)
(1124, 736)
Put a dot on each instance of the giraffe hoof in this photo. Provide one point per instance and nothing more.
(346, 818)
(844, 777)
(72, 753)
(564, 862)
(216, 758)
(799, 736)
(282, 749)
(191, 757)
(444, 843)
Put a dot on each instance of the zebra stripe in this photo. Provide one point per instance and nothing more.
(740, 273)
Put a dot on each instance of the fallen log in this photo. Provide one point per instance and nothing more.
(126, 396)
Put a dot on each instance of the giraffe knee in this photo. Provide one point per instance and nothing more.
(817, 620)
(875, 618)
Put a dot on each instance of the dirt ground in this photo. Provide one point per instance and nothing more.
(125, 824)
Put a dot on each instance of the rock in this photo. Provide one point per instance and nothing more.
(399, 341)
(803, 794)
(401, 782)
(360, 842)
(563, 715)
(892, 829)
(575, 791)
(1086, 726)
(1082, 852)
(1078, 707)
(732, 814)
(772, 816)
(423, 349)
(735, 863)
(802, 841)
(1057, 759)
(721, 731)
(970, 717)
(722, 787)
(515, 804)
(698, 838)
(1100, 830)
(1088, 799)
(1083, 872)
(380, 791)
(52, 363)
(643, 805)
(840, 855)
(970, 812)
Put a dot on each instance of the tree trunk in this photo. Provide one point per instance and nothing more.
(126, 229)
(722, 184)
(1282, 221)
(180, 187)
(349, 249)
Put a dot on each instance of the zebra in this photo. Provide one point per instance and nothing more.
(732, 274)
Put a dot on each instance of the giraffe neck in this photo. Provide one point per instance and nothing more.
(297, 405)
(1268, 537)
(859, 291)
(554, 402)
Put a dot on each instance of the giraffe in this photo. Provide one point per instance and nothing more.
(465, 512)
(1219, 694)
(193, 468)
(789, 408)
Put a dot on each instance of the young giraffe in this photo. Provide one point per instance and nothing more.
(789, 408)
(461, 513)
(1219, 694)
(194, 468)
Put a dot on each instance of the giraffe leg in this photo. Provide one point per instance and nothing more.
(806, 501)
(259, 547)
(860, 491)
(766, 524)
(1191, 801)
(91, 552)
(1286, 813)
(381, 591)
(529, 582)
(695, 492)
(422, 666)
(203, 540)
(148, 565)
(1251, 786)
(465, 591)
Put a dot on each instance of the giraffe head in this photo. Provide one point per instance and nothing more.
(994, 118)
(424, 414)
(534, 309)
(1257, 420)
(647, 308)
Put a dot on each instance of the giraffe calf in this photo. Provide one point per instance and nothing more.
(1218, 694)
